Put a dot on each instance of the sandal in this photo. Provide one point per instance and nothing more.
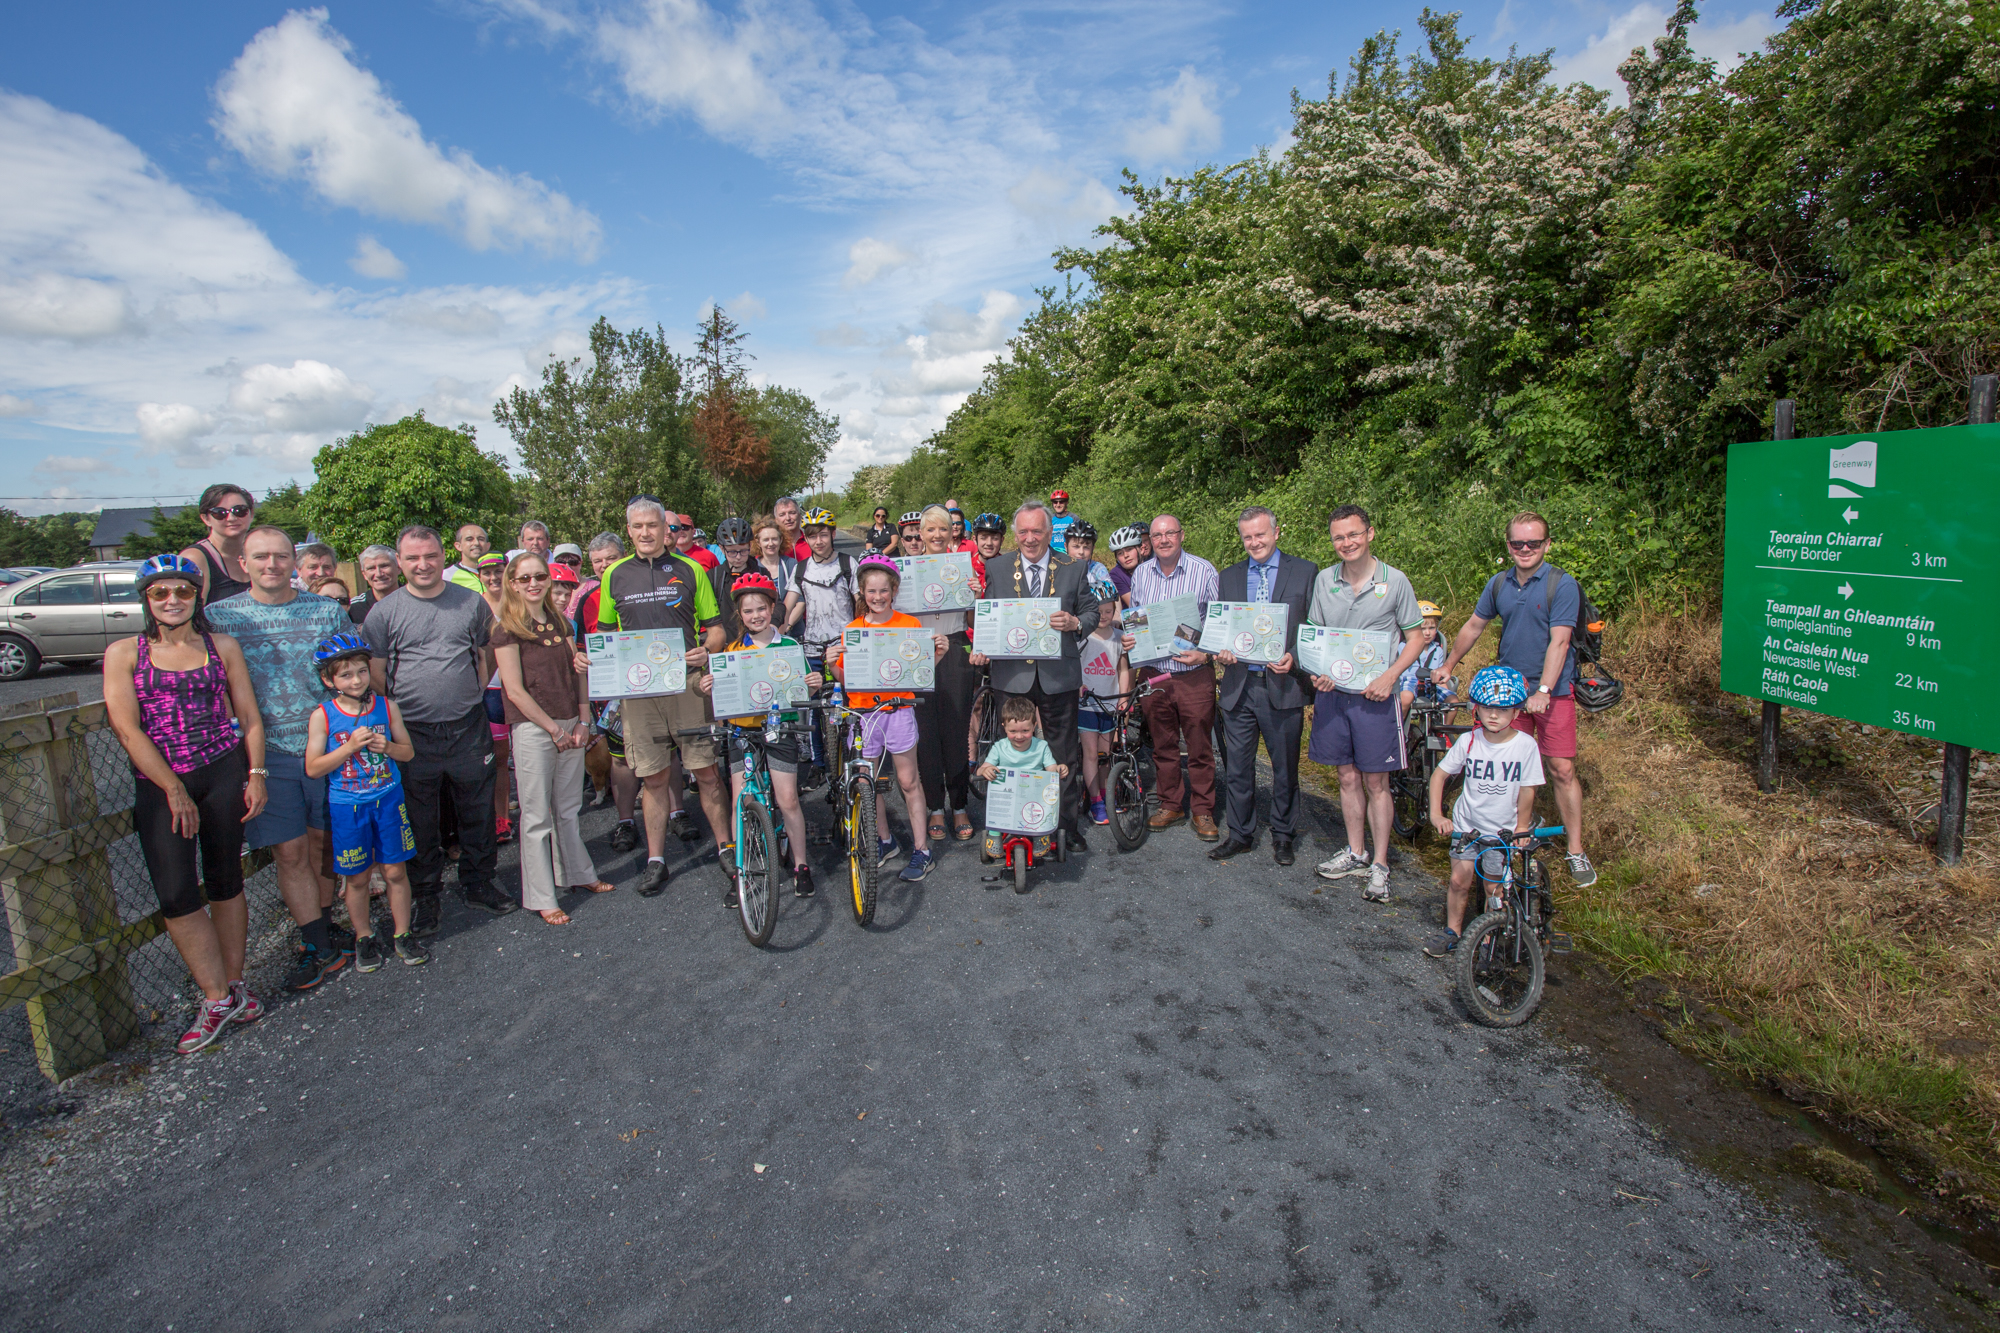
(596, 886)
(937, 828)
(555, 916)
(962, 830)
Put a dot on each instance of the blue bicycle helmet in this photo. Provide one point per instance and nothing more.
(1499, 687)
(168, 567)
(989, 523)
(344, 644)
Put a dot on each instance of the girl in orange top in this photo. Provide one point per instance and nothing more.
(894, 730)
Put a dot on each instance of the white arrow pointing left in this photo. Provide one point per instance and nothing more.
(1849, 514)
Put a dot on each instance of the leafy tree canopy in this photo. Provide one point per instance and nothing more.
(375, 482)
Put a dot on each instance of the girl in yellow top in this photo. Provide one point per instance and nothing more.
(895, 730)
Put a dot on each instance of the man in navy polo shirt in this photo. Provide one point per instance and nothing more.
(1538, 607)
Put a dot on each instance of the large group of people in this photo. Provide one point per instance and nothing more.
(369, 736)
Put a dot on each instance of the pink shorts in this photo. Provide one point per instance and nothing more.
(894, 731)
(1555, 730)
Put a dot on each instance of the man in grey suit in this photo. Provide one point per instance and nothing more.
(1264, 700)
(1051, 683)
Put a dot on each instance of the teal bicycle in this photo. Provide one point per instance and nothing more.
(1499, 959)
(763, 852)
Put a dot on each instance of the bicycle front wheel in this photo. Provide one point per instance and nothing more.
(757, 874)
(1500, 971)
(1411, 796)
(861, 847)
(1128, 804)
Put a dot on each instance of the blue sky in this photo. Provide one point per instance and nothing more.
(236, 231)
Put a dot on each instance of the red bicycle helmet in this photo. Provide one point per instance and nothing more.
(753, 580)
(1059, 495)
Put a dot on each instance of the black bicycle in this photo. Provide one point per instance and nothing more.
(854, 784)
(1427, 734)
(1499, 961)
(1125, 793)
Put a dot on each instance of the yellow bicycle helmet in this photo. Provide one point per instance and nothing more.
(816, 518)
(1429, 610)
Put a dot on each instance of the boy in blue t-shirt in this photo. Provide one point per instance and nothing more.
(355, 740)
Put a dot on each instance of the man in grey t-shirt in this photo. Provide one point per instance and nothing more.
(428, 642)
(1359, 730)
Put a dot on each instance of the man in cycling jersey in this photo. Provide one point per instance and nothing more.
(1059, 520)
(659, 588)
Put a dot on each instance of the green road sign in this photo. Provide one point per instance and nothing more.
(1859, 575)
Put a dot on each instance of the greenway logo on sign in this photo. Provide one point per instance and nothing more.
(1854, 465)
(1863, 601)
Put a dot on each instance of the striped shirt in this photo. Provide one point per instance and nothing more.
(1193, 576)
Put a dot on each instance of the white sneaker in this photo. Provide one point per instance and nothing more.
(1343, 865)
(1378, 884)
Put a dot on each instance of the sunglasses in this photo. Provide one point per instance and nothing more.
(531, 578)
(170, 592)
(228, 511)
(643, 499)
(1525, 546)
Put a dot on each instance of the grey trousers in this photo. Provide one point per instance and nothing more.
(550, 784)
(1281, 729)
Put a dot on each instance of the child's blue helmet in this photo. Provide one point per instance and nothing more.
(1499, 687)
(344, 644)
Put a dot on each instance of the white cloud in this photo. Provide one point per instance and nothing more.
(746, 305)
(372, 259)
(1186, 122)
(1723, 41)
(1063, 200)
(868, 259)
(304, 396)
(63, 464)
(203, 289)
(173, 424)
(295, 106)
(52, 305)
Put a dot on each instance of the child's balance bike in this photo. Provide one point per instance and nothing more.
(1021, 850)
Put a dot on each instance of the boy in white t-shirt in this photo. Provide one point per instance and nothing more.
(1502, 768)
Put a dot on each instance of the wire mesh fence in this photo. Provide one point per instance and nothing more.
(85, 957)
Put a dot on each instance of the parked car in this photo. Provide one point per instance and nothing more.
(67, 615)
(29, 571)
(10, 576)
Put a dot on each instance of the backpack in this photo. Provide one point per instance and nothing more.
(1594, 687)
(1588, 637)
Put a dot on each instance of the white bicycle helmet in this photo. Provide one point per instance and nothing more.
(1127, 537)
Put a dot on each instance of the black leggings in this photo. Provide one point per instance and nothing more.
(216, 788)
(943, 718)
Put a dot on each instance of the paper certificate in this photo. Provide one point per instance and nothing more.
(1024, 800)
(934, 583)
(632, 664)
(1350, 658)
(1254, 631)
(751, 680)
(1161, 629)
(1017, 628)
(877, 659)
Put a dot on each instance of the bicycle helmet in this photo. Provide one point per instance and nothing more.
(1596, 689)
(914, 516)
(1126, 537)
(816, 518)
(753, 580)
(732, 532)
(1080, 531)
(1499, 687)
(1429, 610)
(344, 644)
(989, 523)
(168, 567)
(561, 573)
(1059, 495)
(876, 561)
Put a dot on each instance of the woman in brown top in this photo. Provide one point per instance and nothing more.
(548, 712)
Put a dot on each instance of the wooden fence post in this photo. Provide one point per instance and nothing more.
(1957, 773)
(47, 788)
(1782, 424)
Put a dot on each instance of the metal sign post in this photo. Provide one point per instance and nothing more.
(1957, 775)
(1782, 421)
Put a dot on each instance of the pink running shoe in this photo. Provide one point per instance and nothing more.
(208, 1025)
(253, 1008)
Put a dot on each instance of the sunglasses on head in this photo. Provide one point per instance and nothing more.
(228, 511)
(643, 499)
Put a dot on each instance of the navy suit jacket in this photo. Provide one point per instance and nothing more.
(1294, 587)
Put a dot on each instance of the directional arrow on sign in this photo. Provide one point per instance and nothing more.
(1849, 514)
(1845, 590)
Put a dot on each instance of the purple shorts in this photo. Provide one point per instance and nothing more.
(894, 731)
(1352, 729)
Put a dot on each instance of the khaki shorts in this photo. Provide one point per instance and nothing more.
(650, 742)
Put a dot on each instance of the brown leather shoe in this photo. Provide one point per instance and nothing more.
(1205, 829)
(1160, 819)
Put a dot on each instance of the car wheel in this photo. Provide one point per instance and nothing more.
(18, 658)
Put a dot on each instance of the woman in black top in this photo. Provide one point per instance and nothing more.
(229, 513)
(882, 537)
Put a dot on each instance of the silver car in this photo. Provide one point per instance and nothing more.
(71, 615)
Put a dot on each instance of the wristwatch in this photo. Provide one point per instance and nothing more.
(1543, 689)
(260, 772)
